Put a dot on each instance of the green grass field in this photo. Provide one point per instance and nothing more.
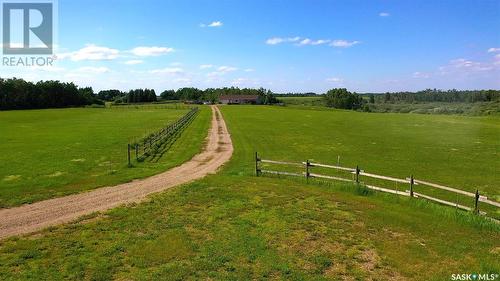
(234, 226)
(456, 151)
(55, 152)
(303, 101)
(242, 228)
(452, 150)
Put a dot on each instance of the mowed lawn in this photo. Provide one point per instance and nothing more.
(55, 152)
(457, 151)
(235, 226)
(230, 227)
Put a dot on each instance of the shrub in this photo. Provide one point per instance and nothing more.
(341, 98)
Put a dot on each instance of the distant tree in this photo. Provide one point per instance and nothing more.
(341, 98)
(87, 93)
(387, 97)
(168, 95)
(110, 95)
(372, 99)
(140, 95)
(211, 95)
(192, 94)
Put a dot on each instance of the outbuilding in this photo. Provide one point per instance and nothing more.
(239, 99)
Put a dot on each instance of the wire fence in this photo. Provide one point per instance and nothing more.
(151, 144)
(177, 106)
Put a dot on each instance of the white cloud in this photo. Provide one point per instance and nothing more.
(461, 70)
(319, 42)
(335, 80)
(212, 24)
(493, 50)
(205, 66)
(420, 75)
(249, 70)
(308, 41)
(384, 14)
(278, 40)
(99, 53)
(151, 51)
(168, 70)
(343, 43)
(274, 41)
(472, 65)
(221, 70)
(466, 66)
(133, 62)
(92, 70)
(238, 81)
(226, 68)
(92, 52)
(215, 24)
(497, 59)
(184, 80)
(46, 68)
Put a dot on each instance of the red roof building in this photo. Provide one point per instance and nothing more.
(239, 99)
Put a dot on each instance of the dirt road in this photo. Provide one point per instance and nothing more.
(30, 218)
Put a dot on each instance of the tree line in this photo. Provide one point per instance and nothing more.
(213, 94)
(132, 96)
(435, 95)
(20, 94)
(342, 98)
(306, 94)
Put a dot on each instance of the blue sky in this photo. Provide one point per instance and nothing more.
(296, 46)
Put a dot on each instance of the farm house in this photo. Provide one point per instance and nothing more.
(239, 99)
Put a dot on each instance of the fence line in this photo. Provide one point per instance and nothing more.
(141, 106)
(150, 144)
(330, 166)
(358, 172)
(279, 162)
(442, 201)
(328, 177)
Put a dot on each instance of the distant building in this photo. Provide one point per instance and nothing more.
(239, 99)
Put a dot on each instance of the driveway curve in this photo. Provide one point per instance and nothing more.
(37, 216)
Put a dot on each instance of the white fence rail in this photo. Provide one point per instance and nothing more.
(307, 165)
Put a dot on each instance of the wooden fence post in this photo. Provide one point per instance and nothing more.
(307, 170)
(257, 171)
(357, 173)
(412, 181)
(476, 202)
(128, 149)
